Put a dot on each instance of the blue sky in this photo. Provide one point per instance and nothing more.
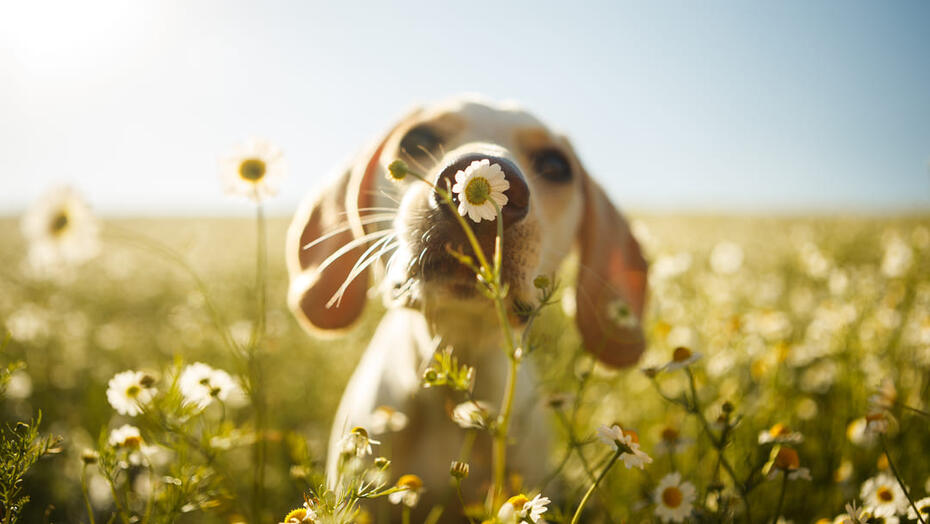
(675, 106)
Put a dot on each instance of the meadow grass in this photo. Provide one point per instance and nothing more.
(811, 323)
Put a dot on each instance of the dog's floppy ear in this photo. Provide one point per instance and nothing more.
(611, 288)
(336, 208)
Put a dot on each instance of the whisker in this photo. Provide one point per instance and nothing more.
(413, 160)
(359, 267)
(428, 153)
(349, 246)
(361, 209)
(370, 219)
(392, 198)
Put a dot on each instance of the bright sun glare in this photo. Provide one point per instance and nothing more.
(58, 37)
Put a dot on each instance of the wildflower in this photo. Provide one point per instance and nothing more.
(780, 434)
(923, 506)
(386, 418)
(398, 169)
(300, 515)
(627, 442)
(254, 170)
(200, 384)
(519, 508)
(857, 433)
(682, 357)
(726, 258)
(620, 314)
(674, 498)
(876, 423)
(126, 436)
(128, 391)
(886, 395)
(671, 442)
(357, 443)
(60, 230)
(89, 457)
(472, 414)
(898, 257)
(477, 186)
(883, 496)
(409, 489)
(458, 469)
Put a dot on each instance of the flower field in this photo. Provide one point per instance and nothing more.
(787, 378)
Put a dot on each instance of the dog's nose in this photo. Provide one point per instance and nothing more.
(518, 194)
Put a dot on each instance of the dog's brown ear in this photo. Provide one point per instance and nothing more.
(336, 208)
(611, 288)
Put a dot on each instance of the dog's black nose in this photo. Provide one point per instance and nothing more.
(518, 194)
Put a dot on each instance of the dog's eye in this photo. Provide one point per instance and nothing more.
(552, 165)
(421, 142)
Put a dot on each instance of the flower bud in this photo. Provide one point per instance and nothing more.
(458, 469)
(398, 169)
(89, 457)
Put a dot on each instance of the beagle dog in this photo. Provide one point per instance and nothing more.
(364, 223)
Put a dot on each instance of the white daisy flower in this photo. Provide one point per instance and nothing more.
(780, 434)
(674, 498)
(357, 442)
(883, 496)
(386, 418)
(472, 414)
(519, 508)
(61, 231)
(126, 436)
(254, 170)
(923, 506)
(682, 357)
(306, 514)
(628, 442)
(128, 391)
(477, 186)
(200, 384)
(857, 433)
(410, 488)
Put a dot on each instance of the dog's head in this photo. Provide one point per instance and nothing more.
(363, 220)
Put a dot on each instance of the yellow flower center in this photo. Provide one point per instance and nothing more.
(361, 432)
(477, 191)
(518, 501)
(411, 482)
(672, 497)
(59, 223)
(133, 391)
(252, 169)
(132, 442)
(681, 354)
(297, 515)
(884, 494)
(779, 430)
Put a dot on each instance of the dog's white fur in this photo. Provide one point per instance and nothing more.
(430, 311)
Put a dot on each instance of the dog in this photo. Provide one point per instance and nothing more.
(365, 223)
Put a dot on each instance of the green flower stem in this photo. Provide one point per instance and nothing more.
(256, 386)
(781, 496)
(587, 495)
(492, 278)
(718, 444)
(894, 470)
(90, 510)
(405, 515)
